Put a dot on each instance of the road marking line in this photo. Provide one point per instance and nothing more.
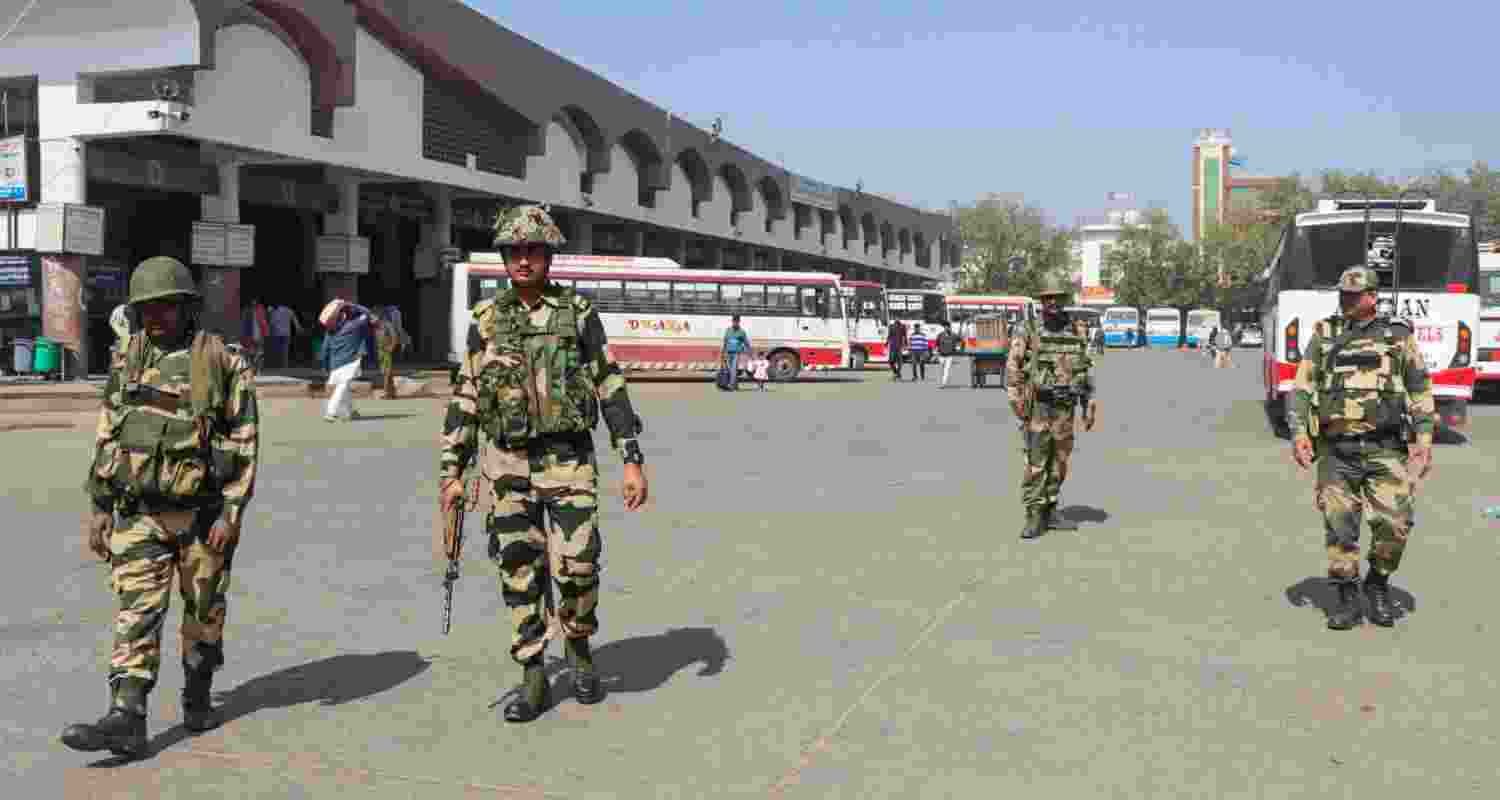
(823, 742)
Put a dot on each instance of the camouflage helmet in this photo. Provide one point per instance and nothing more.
(1359, 279)
(527, 225)
(160, 277)
(1054, 287)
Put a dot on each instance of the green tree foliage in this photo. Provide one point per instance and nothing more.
(1151, 265)
(1010, 247)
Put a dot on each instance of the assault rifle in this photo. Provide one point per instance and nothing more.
(453, 546)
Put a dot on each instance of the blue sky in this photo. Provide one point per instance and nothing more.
(937, 102)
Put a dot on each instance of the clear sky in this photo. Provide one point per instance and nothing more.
(945, 101)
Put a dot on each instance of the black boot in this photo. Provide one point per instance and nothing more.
(535, 694)
(198, 712)
(1034, 524)
(122, 731)
(1053, 521)
(1377, 588)
(1348, 612)
(586, 687)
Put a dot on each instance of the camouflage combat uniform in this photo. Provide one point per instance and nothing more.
(175, 450)
(529, 394)
(1351, 404)
(1047, 373)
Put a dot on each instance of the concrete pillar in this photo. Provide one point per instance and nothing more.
(221, 285)
(638, 242)
(582, 242)
(64, 275)
(776, 259)
(716, 255)
(346, 223)
(431, 339)
(679, 249)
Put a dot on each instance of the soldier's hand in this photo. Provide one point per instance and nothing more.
(96, 531)
(223, 535)
(1302, 452)
(633, 488)
(1018, 410)
(1091, 415)
(1419, 460)
(452, 492)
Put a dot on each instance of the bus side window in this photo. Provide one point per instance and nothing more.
(609, 296)
(752, 297)
(814, 301)
(781, 300)
(637, 296)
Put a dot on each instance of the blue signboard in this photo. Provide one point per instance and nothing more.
(15, 271)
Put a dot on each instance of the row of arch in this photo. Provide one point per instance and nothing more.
(655, 171)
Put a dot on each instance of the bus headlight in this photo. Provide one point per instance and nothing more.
(1293, 354)
(1465, 340)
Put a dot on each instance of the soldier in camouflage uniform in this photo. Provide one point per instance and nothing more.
(1046, 374)
(175, 459)
(1362, 407)
(529, 393)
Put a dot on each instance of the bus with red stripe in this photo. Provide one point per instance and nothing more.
(667, 318)
(869, 322)
(1488, 368)
(964, 307)
(1429, 277)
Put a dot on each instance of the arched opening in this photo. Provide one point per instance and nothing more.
(846, 224)
(924, 256)
(700, 180)
(887, 239)
(739, 192)
(649, 165)
(771, 195)
(903, 238)
(867, 226)
(592, 140)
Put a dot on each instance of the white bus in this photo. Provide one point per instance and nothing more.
(1435, 260)
(671, 319)
(1163, 327)
(964, 307)
(1488, 368)
(869, 322)
(1122, 326)
(1200, 323)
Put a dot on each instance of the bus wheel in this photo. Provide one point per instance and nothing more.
(857, 359)
(784, 366)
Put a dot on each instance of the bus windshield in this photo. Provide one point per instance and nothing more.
(1432, 256)
(1121, 315)
(866, 302)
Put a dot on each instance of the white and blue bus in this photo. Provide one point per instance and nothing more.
(1163, 327)
(1200, 323)
(1122, 326)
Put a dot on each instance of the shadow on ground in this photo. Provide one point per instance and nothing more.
(642, 664)
(1083, 514)
(330, 682)
(1319, 593)
(372, 417)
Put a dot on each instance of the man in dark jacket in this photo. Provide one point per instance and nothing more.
(343, 352)
(895, 345)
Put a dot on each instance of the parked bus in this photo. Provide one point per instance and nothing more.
(1163, 327)
(1200, 323)
(964, 307)
(1122, 326)
(913, 306)
(1488, 368)
(669, 318)
(1432, 264)
(869, 322)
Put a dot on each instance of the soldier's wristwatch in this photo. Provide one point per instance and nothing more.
(630, 451)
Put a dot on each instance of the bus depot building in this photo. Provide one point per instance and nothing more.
(293, 152)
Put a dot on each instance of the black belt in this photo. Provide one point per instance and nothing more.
(1383, 438)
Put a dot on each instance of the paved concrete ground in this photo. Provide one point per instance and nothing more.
(827, 599)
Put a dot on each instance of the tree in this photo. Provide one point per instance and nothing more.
(1228, 259)
(1011, 247)
(1151, 265)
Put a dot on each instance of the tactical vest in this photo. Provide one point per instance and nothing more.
(163, 454)
(531, 379)
(1053, 357)
(1363, 374)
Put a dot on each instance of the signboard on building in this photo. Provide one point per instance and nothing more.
(15, 271)
(62, 317)
(344, 254)
(70, 228)
(15, 171)
(208, 244)
(809, 192)
(239, 245)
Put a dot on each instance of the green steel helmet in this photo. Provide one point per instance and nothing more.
(1054, 288)
(1358, 279)
(527, 225)
(159, 277)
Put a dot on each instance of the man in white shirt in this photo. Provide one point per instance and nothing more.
(284, 325)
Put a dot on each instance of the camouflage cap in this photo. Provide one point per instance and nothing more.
(1359, 279)
(527, 225)
(1054, 288)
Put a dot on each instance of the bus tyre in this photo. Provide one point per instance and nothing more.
(784, 366)
(857, 359)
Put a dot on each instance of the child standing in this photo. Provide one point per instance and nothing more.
(762, 369)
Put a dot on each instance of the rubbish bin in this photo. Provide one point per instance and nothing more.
(21, 360)
(47, 353)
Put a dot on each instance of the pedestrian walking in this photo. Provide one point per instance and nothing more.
(284, 326)
(389, 340)
(524, 407)
(920, 349)
(1224, 349)
(895, 346)
(948, 344)
(736, 341)
(173, 470)
(343, 352)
